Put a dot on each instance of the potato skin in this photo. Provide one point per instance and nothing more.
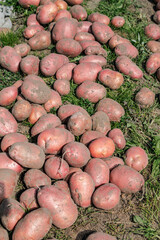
(100, 236)
(152, 31)
(153, 63)
(41, 40)
(35, 178)
(8, 95)
(145, 97)
(39, 219)
(68, 47)
(95, 50)
(101, 122)
(94, 59)
(46, 13)
(65, 72)
(112, 162)
(102, 32)
(116, 39)
(84, 26)
(61, 14)
(30, 31)
(90, 135)
(8, 163)
(118, 138)
(87, 43)
(3, 234)
(118, 21)
(21, 110)
(28, 3)
(78, 12)
(62, 86)
(80, 36)
(22, 49)
(127, 179)
(153, 46)
(126, 49)
(30, 65)
(98, 17)
(54, 101)
(32, 20)
(74, 2)
(28, 199)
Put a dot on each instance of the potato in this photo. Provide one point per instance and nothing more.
(63, 210)
(156, 17)
(118, 138)
(22, 49)
(145, 97)
(158, 5)
(118, 21)
(101, 122)
(3, 234)
(8, 163)
(28, 199)
(82, 187)
(30, 65)
(31, 30)
(84, 26)
(81, 36)
(102, 147)
(74, 2)
(35, 178)
(158, 74)
(45, 122)
(113, 162)
(8, 182)
(32, 20)
(37, 111)
(152, 31)
(39, 219)
(116, 39)
(11, 212)
(21, 110)
(28, 155)
(98, 170)
(153, 46)
(90, 135)
(127, 67)
(8, 95)
(54, 101)
(78, 12)
(10, 59)
(35, 91)
(61, 14)
(8, 124)
(63, 185)
(79, 123)
(72, 170)
(40, 41)
(64, 28)
(62, 86)
(95, 50)
(91, 91)
(100, 236)
(102, 32)
(86, 43)
(86, 71)
(98, 17)
(52, 140)
(153, 63)
(112, 108)
(110, 78)
(76, 154)
(51, 63)
(11, 138)
(28, 3)
(136, 158)
(69, 47)
(46, 13)
(62, 5)
(126, 49)
(18, 84)
(65, 72)
(56, 168)
(94, 59)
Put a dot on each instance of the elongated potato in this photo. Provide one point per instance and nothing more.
(61, 14)
(78, 12)
(110, 78)
(69, 47)
(90, 135)
(80, 36)
(153, 63)
(116, 39)
(22, 49)
(98, 17)
(65, 72)
(102, 32)
(74, 2)
(152, 31)
(87, 43)
(40, 41)
(153, 46)
(28, 3)
(8, 95)
(126, 49)
(94, 59)
(101, 122)
(35, 178)
(8, 163)
(118, 138)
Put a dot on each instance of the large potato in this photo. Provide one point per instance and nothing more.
(153, 31)
(40, 40)
(80, 36)
(101, 122)
(62, 86)
(153, 46)
(102, 32)
(47, 12)
(116, 39)
(61, 14)
(69, 47)
(32, 20)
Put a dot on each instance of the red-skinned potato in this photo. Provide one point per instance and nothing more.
(41, 40)
(153, 63)
(28, 3)
(37, 219)
(158, 74)
(11, 212)
(91, 91)
(56, 168)
(53, 139)
(18, 84)
(127, 179)
(74, 2)
(62, 5)
(100, 236)
(102, 32)
(63, 185)
(30, 65)
(95, 50)
(110, 78)
(31, 30)
(8, 163)
(46, 13)
(69, 47)
(54, 102)
(154, 46)
(35, 178)
(98, 17)
(112, 108)
(136, 158)
(72, 170)
(86, 71)
(63, 210)
(21, 110)
(8, 95)
(101, 122)
(145, 97)
(22, 49)
(86, 43)
(156, 17)
(90, 135)
(126, 66)
(118, 21)
(116, 39)
(10, 59)
(158, 5)
(28, 199)
(8, 182)
(61, 14)
(65, 72)
(84, 26)
(106, 197)
(28, 155)
(126, 49)
(37, 111)
(81, 36)
(3, 234)
(98, 170)
(82, 187)
(32, 20)
(62, 86)
(152, 31)
(76, 154)
(113, 162)
(78, 12)
(8, 124)
(100, 60)
(102, 147)
(45, 122)
(118, 138)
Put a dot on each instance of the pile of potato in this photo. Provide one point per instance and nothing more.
(86, 172)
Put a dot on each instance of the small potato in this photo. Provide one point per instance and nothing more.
(126, 66)
(118, 21)
(145, 97)
(153, 63)
(8, 95)
(95, 50)
(118, 138)
(40, 41)
(100, 236)
(98, 17)
(21, 110)
(81, 36)
(156, 17)
(69, 47)
(91, 91)
(61, 14)
(22, 49)
(136, 158)
(54, 101)
(110, 78)
(126, 49)
(30, 65)
(116, 39)
(84, 26)
(35, 178)
(152, 31)
(78, 12)
(102, 32)
(46, 13)
(30, 31)
(74, 2)
(101, 122)
(62, 5)
(113, 162)
(86, 43)
(90, 135)
(8, 163)
(62, 86)
(127, 179)
(3, 234)
(153, 46)
(10, 59)
(28, 199)
(32, 20)
(37, 111)
(65, 72)
(94, 59)
(28, 3)
(112, 108)
(28, 155)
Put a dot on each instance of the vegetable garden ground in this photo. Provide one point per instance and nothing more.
(137, 217)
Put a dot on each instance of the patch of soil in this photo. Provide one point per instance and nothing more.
(92, 4)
